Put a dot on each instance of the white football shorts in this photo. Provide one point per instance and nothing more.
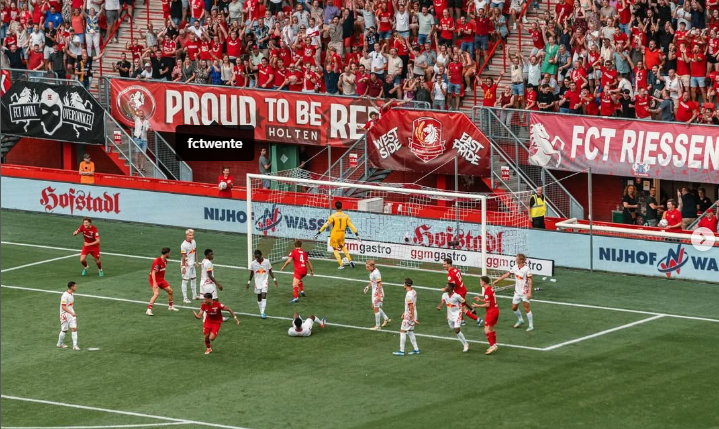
(189, 272)
(67, 321)
(263, 289)
(455, 322)
(517, 298)
(208, 288)
(407, 325)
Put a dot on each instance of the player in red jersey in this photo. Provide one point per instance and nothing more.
(455, 276)
(490, 303)
(157, 281)
(213, 319)
(301, 261)
(91, 246)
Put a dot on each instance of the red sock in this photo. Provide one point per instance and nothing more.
(471, 316)
(99, 265)
(493, 338)
(84, 263)
(302, 287)
(170, 302)
(207, 343)
(294, 292)
(149, 306)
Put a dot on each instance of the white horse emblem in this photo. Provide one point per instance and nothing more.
(541, 149)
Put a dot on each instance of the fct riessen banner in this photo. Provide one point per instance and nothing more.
(411, 140)
(278, 116)
(625, 148)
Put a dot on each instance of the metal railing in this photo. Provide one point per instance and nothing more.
(30, 75)
(342, 169)
(507, 129)
(136, 159)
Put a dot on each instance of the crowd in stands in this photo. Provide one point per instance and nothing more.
(629, 58)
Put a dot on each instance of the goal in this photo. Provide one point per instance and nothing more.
(400, 225)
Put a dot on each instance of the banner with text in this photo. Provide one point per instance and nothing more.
(409, 140)
(278, 116)
(625, 148)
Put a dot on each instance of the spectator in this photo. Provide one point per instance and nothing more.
(57, 62)
(537, 208)
(439, 93)
(265, 167)
(92, 35)
(112, 13)
(142, 126)
(225, 182)
(708, 221)
(123, 66)
(87, 170)
(630, 202)
(653, 208)
(703, 203)
(687, 207)
(665, 110)
(672, 216)
(146, 73)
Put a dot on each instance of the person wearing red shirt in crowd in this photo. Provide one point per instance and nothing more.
(484, 27)
(537, 39)
(157, 281)
(307, 50)
(489, 301)
(465, 31)
(301, 261)
(375, 88)
(683, 64)
(697, 70)
(454, 74)
(234, 47)
(625, 15)
(640, 76)
(673, 216)
(455, 276)
(609, 102)
(192, 47)
(446, 25)
(205, 50)
(241, 74)
(91, 245)
(641, 104)
(709, 221)
(373, 118)
(216, 48)
(562, 10)
(574, 98)
(609, 73)
(165, 9)
(295, 79)
(281, 72)
(384, 17)
(310, 81)
(36, 59)
(589, 101)
(439, 7)
(489, 89)
(531, 98)
(713, 89)
(225, 182)
(352, 57)
(284, 53)
(197, 11)
(135, 49)
(687, 110)
(362, 80)
(211, 312)
(265, 75)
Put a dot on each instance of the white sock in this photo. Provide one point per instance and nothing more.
(74, 338)
(383, 314)
(519, 315)
(531, 319)
(264, 305)
(193, 285)
(413, 339)
(402, 340)
(184, 289)
(259, 305)
(61, 339)
(460, 335)
(377, 318)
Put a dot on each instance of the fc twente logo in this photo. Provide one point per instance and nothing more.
(426, 141)
(51, 110)
(541, 150)
(134, 98)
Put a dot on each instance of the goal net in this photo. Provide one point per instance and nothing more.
(400, 225)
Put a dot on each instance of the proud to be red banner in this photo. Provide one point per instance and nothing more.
(411, 140)
(278, 116)
(625, 148)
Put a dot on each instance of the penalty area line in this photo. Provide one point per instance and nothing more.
(39, 262)
(146, 425)
(605, 332)
(124, 413)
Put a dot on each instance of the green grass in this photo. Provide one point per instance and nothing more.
(658, 374)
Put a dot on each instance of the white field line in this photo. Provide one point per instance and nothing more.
(125, 413)
(362, 328)
(146, 425)
(40, 262)
(599, 334)
(569, 304)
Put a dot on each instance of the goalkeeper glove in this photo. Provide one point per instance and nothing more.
(316, 236)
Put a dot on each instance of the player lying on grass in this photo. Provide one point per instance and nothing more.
(157, 281)
(302, 328)
(409, 319)
(91, 246)
(454, 303)
(261, 269)
(212, 310)
(301, 261)
(489, 301)
(339, 221)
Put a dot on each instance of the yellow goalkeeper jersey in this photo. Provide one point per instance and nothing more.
(339, 221)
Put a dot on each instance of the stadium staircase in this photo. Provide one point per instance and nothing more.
(8, 142)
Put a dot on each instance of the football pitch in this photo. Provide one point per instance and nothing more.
(608, 351)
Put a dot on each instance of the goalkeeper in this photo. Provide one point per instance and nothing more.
(339, 221)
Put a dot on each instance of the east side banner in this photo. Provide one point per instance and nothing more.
(278, 116)
(625, 148)
(423, 141)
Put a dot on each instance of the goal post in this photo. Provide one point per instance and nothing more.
(402, 225)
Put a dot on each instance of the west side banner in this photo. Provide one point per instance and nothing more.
(625, 148)
(411, 140)
(278, 116)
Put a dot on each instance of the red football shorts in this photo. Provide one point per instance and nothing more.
(491, 317)
(162, 284)
(94, 251)
(300, 275)
(211, 328)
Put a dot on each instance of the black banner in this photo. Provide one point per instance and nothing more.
(59, 112)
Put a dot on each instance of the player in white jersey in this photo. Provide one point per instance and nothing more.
(261, 269)
(522, 290)
(68, 318)
(454, 303)
(409, 319)
(303, 328)
(188, 250)
(208, 283)
(375, 282)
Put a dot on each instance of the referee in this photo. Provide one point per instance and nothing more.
(537, 208)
